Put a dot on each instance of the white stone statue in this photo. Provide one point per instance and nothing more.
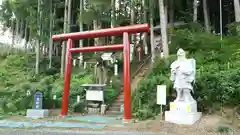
(184, 108)
(183, 72)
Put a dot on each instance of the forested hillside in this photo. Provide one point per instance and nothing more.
(209, 32)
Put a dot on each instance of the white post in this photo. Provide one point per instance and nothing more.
(74, 62)
(28, 93)
(131, 52)
(111, 82)
(116, 68)
(54, 97)
(80, 59)
(103, 109)
(78, 98)
(162, 55)
(85, 65)
(146, 50)
(95, 69)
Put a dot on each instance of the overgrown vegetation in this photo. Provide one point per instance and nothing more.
(218, 75)
(17, 77)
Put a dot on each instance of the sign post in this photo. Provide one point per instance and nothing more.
(37, 110)
(161, 97)
(38, 98)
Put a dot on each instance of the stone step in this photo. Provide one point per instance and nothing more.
(117, 103)
(114, 113)
(119, 100)
(115, 108)
(121, 94)
(120, 97)
(139, 74)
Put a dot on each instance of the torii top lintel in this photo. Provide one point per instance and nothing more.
(103, 32)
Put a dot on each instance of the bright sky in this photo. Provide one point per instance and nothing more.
(6, 36)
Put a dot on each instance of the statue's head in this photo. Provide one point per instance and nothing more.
(181, 54)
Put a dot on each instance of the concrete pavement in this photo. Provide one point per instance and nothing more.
(69, 132)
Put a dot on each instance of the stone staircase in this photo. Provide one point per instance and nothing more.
(116, 105)
(140, 73)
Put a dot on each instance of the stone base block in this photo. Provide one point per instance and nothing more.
(187, 118)
(183, 106)
(37, 113)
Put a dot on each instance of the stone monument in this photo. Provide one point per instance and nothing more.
(183, 110)
(37, 111)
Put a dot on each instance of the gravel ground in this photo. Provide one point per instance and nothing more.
(208, 125)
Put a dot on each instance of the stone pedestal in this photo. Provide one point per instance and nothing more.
(183, 113)
(37, 113)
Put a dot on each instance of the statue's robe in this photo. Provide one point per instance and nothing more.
(182, 73)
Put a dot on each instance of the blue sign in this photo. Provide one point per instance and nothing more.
(38, 98)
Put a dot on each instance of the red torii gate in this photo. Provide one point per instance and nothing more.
(126, 30)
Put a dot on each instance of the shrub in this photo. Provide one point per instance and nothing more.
(217, 80)
(17, 77)
(144, 98)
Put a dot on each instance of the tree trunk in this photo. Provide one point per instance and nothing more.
(95, 27)
(30, 41)
(25, 35)
(54, 16)
(118, 8)
(69, 15)
(171, 18)
(37, 50)
(237, 10)
(50, 33)
(206, 16)
(237, 14)
(145, 21)
(65, 30)
(132, 21)
(126, 9)
(166, 15)
(13, 33)
(22, 29)
(113, 18)
(195, 10)
(152, 32)
(101, 40)
(17, 27)
(171, 13)
(81, 29)
(163, 28)
(16, 35)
